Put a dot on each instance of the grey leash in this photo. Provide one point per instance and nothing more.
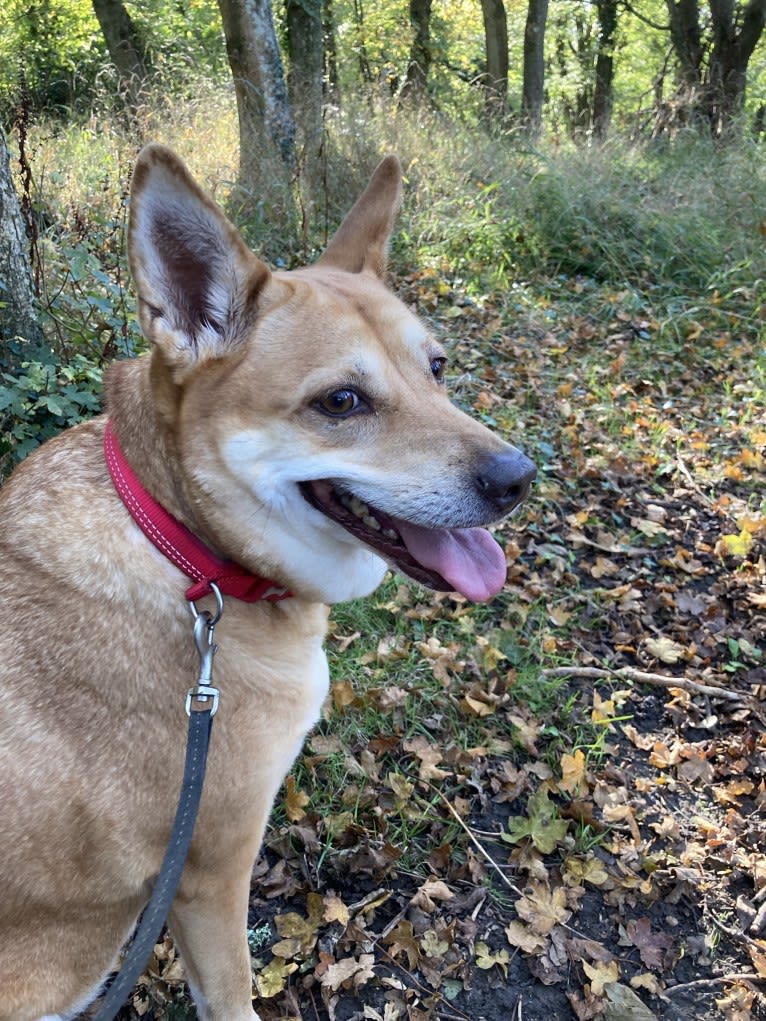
(201, 706)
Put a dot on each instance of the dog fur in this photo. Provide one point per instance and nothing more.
(265, 395)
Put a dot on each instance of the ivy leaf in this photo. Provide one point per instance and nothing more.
(540, 825)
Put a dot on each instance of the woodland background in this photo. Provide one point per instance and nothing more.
(552, 805)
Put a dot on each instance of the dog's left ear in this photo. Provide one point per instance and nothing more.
(361, 242)
(197, 281)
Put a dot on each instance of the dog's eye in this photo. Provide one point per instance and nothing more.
(340, 403)
(437, 368)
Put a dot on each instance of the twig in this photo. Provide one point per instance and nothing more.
(641, 677)
(492, 861)
(482, 850)
(413, 982)
(690, 479)
(748, 976)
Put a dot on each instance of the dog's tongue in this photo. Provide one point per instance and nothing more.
(468, 558)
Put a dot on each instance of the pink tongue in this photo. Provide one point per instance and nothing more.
(468, 558)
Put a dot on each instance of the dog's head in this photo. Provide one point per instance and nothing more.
(307, 409)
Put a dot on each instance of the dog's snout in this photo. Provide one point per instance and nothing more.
(505, 478)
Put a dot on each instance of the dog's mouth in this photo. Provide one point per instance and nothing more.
(465, 560)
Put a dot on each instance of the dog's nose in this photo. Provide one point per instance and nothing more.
(505, 478)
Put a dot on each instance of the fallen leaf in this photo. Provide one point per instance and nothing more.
(665, 649)
(622, 1004)
(335, 910)
(520, 936)
(486, 959)
(349, 972)
(735, 545)
(271, 980)
(401, 940)
(573, 773)
(543, 907)
(652, 947)
(540, 825)
(601, 973)
(295, 800)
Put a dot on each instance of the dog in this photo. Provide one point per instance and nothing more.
(297, 424)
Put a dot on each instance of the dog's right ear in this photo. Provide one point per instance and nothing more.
(196, 279)
(360, 244)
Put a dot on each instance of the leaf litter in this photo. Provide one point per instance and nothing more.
(552, 806)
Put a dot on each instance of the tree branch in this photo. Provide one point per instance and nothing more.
(640, 677)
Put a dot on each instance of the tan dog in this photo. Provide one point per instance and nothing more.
(298, 424)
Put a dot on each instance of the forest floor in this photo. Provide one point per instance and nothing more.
(552, 806)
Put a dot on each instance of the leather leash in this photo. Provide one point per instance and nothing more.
(201, 706)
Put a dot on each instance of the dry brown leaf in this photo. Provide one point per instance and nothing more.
(601, 973)
(295, 800)
(665, 649)
(520, 936)
(543, 907)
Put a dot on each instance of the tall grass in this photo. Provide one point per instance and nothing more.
(681, 214)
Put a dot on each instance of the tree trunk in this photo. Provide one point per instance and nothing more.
(533, 87)
(266, 125)
(19, 324)
(496, 46)
(602, 92)
(331, 81)
(419, 64)
(686, 35)
(714, 88)
(730, 55)
(126, 47)
(305, 47)
(361, 43)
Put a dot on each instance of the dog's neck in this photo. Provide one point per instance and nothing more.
(142, 427)
(207, 571)
(164, 527)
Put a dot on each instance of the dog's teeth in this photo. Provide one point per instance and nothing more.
(362, 511)
(390, 533)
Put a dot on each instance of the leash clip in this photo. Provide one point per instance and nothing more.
(198, 698)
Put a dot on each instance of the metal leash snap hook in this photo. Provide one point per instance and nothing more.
(198, 697)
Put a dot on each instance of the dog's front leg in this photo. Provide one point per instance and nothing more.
(210, 930)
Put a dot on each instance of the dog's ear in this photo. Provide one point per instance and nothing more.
(196, 279)
(361, 242)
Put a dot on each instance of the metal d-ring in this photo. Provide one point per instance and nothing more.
(214, 618)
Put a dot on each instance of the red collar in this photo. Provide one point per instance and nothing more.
(179, 545)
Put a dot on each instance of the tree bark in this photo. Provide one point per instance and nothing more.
(533, 87)
(495, 80)
(331, 80)
(729, 58)
(361, 42)
(19, 324)
(126, 47)
(713, 76)
(603, 91)
(419, 64)
(305, 47)
(266, 125)
(686, 36)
